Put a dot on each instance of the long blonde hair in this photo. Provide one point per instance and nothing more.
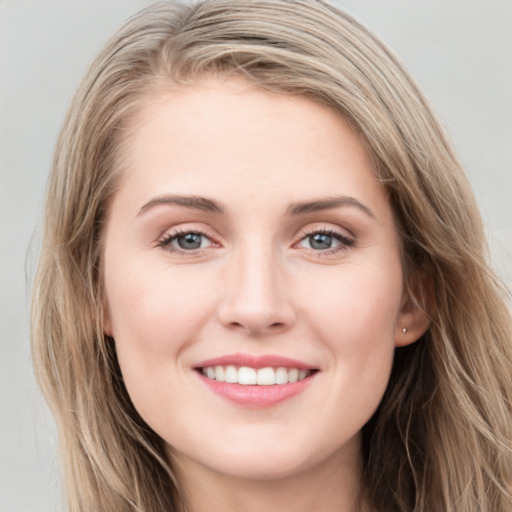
(441, 438)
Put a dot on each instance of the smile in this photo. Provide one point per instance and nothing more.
(256, 381)
(247, 376)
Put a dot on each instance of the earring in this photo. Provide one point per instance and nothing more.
(404, 330)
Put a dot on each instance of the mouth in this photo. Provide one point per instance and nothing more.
(249, 376)
(255, 381)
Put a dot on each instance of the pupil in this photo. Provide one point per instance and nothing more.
(320, 241)
(189, 241)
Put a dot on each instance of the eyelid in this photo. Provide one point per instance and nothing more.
(344, 236)
(170, 234)
(326, 227)
(346, 241)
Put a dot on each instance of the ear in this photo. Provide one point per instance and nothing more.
(413, 319)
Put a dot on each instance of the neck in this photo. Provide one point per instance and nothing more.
(330, 486)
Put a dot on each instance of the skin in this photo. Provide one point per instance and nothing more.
(258, 285)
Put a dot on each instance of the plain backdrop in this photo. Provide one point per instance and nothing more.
(460, 51)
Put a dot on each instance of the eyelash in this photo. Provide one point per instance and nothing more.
(344, 242)
(168, 238)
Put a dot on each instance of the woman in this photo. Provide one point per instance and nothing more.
(263, 279)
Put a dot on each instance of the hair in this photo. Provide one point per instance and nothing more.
(441, 437)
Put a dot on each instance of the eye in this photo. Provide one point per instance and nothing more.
(328, 241)
(185, 241)
(321, 241)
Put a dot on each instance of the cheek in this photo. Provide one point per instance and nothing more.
(155, 311)
(155, 315)
(358, 305)
(355, 318)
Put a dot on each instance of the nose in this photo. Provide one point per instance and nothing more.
(256, 299)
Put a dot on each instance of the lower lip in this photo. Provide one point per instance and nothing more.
(257, 396)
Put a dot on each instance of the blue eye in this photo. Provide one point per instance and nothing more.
(189, 241)
(185, 241)
(321, 241)
(325, 241)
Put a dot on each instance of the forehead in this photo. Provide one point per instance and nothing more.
(229, 139)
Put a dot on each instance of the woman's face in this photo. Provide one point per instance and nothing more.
(253, 280)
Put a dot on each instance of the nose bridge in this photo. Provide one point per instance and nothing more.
(257, 279)
(255, 298)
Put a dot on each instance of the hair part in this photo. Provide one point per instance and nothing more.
(441, 438)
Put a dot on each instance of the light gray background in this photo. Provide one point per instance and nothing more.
(460, 51)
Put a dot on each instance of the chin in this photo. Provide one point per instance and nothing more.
(263, 466)
(259, 458)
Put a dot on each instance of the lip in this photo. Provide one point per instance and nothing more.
(254, 361)
(255, 396)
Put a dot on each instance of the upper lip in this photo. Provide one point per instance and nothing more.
(253, 361)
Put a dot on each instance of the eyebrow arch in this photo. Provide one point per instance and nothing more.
(327, 204)
(195, 202)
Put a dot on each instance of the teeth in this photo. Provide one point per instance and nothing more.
(246, 375)
(230, 375)
(282, 376)
(250, 376)
(266, 377)
(219, 373)
(293, 375)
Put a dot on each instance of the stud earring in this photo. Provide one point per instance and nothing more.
(404, 330)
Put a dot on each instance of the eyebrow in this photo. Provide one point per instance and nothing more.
(194, 202)
(327, 204)
(296, 208)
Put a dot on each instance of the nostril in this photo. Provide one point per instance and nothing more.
(257, 329)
